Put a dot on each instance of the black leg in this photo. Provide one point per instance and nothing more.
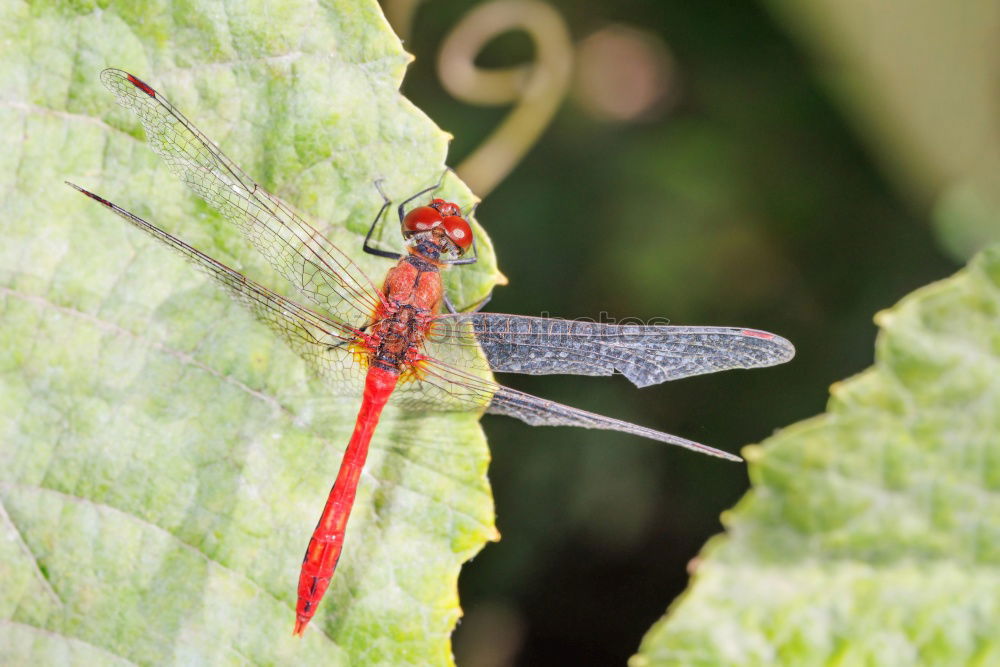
(401, 210)
(479, 306)
(475, 252)
(367, 247)
(464, 260)
(472, 309)
(475, 308)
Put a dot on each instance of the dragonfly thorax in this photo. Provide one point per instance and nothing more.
(411, 296)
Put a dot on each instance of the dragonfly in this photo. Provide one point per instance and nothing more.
(404, 338)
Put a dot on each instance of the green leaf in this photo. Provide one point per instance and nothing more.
(163, 457)
(872, 532)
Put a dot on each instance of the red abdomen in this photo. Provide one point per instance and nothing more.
(327, 540)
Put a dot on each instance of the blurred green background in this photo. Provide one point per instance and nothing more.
(795, 168)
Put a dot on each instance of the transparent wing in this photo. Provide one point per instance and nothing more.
(303, 256)
(541, 412)
(645, 354)
(322, 341)
(444, 387)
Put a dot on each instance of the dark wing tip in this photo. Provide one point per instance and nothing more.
(141, 85)
(757, 333)
(111, 72)
(90, 194)
(718, 453)
(781, 348)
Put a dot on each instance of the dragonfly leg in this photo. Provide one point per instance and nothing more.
(479, 306)
(367, 247)
(475, 251)
(472, 211)
(402, 207)
(474, 308)
(465, 260)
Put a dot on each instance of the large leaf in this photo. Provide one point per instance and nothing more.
(872, 532)
(163, 457)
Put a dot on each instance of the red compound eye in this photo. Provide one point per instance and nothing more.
(459, 231)
(446, 207)
(421, 219)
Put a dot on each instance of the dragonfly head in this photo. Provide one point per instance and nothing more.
(441, 224)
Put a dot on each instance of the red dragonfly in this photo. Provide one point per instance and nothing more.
(395, 340)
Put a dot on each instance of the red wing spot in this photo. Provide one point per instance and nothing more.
(757, 334)
(96, 197)
(141, 85)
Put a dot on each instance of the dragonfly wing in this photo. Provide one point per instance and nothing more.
(645, 354)
(303, 256)
(541, 412)
(320, 340)
(445, 387)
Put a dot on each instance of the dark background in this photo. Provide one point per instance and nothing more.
(748, 201)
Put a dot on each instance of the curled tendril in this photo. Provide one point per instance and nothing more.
(537, 87)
